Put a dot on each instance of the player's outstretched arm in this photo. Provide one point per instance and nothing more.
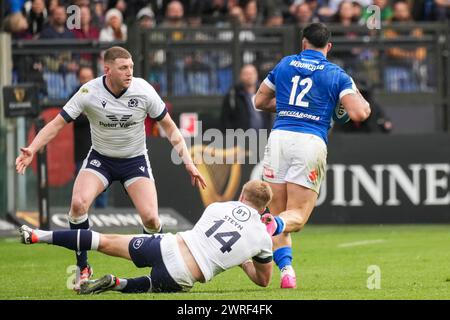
(265, 99)
(176, 139)
(43, 137)
(259, 273)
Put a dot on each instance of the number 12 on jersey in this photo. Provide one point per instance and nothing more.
(295, 82)
(231, 236)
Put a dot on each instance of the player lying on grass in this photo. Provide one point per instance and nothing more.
(228, 234)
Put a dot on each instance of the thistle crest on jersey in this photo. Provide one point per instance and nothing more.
(133, 103)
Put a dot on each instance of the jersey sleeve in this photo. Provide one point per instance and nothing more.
(156, 108)
(75, 106)
(266, 254)
(270, 80)
(346, 85)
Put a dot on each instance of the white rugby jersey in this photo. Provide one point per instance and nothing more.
(227, 234)
(117, 122)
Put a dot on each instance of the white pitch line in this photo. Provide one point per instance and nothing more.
(360, 243)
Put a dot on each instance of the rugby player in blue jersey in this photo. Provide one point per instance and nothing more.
(303, 90)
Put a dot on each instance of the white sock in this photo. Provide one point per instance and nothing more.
(122, 284)
(288, 270)
(44, 236)
(95, 240)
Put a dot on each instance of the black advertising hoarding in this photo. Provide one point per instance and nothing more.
(370, 179)
(386, 179)
(20, 101)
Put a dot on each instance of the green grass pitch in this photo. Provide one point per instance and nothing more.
(332, 262)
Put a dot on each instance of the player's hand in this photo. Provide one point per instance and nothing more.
(24, 160)
(196, 177)
(270, 222)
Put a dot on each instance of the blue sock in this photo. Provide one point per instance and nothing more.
(137, 285)
(82, 260)
(283, 257)
(280, 225)
(75, 239)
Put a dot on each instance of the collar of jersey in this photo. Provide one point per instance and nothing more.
(313, 53)
(106, 87)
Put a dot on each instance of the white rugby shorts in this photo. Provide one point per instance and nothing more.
(295, 157)
(174, 262)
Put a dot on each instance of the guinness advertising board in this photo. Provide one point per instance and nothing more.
(370, 179)
(20, 101)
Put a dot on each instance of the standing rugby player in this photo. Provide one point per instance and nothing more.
(116, 105)
(303, 90)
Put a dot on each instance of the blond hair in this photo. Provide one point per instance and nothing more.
(114, 53)
(258, 193)
(15, 22)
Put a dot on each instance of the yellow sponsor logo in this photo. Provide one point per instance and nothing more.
(19, 93)
(223, 179)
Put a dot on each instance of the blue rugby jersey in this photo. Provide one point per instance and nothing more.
(307, 88)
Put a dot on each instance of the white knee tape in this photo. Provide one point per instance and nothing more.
(77, 220)
(154, 230)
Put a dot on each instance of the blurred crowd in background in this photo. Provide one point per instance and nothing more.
(205, 72)
(112, 20)
(107, 20)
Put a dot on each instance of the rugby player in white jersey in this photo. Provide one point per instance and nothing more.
(116, 105)
(228, 234)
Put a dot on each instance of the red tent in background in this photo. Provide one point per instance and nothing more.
(60, 152)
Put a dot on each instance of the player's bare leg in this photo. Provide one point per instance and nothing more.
(282, 243)
(279, 200)
(144, 197)
(86, 188)
(115, 245)
(300, 203)
(276, 206)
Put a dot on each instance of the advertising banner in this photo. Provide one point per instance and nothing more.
(370, 179)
